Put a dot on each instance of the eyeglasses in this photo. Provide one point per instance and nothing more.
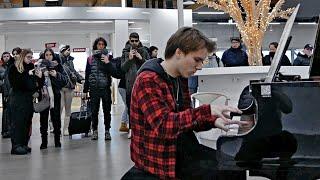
(134, 40)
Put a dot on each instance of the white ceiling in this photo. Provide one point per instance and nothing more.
(56, 27)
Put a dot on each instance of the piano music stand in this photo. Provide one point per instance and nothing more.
(275, 64)
(314, 72)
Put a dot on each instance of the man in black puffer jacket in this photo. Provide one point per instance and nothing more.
(97, 83)
(304, 57)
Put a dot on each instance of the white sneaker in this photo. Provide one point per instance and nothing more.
(129, 134)
(66, 132)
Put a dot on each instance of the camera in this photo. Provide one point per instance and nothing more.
(98, 53)
(44, 65)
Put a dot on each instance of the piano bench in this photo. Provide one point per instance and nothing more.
(137, 174)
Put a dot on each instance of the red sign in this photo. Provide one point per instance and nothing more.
(50, 45)
(79, 49)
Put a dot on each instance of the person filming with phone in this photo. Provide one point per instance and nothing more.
(97, 83)
(133, 56)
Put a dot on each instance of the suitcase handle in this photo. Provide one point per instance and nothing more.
(83, 106)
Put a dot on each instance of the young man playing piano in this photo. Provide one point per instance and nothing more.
(163, 144)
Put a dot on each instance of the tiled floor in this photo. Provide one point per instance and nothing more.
(78, 159)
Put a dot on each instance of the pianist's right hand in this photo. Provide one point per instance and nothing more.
(223, 116)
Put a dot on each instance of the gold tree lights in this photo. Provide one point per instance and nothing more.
(252, 18)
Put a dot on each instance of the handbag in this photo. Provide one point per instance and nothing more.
(44, 103)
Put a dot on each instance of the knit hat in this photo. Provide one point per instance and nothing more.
(235, 39)
(63, 48)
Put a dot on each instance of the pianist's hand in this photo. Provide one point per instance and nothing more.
(223, 111)
(223, 123)
(223, 116)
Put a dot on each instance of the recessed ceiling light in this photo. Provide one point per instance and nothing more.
(135, 28)
(95, 22)
(44, 22)
(209, 13)
(307, 23)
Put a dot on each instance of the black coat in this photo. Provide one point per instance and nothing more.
(266, 61)
(4, 76)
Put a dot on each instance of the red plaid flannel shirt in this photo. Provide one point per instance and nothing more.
(155, 124)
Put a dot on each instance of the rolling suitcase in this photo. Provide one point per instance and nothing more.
(80, 122)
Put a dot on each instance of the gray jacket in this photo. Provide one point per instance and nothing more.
(131, 67)
(67, 63)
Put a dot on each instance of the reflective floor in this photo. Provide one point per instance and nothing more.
(79, 158)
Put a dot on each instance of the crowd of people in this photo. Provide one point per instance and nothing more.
(23, 84)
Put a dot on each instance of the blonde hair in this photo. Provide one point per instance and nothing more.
(20, 59)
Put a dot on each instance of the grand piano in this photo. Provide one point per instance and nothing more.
(284, 141)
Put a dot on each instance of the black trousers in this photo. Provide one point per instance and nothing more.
(194, 162)
(5, 115)
(55, 118)
(96, 95)
(21, 119)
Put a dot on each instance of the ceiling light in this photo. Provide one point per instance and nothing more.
(209, 13)
(44, 22)
(135, 28)
(275, 23)
(144, 12)
(131, 22)
(188, 2)
(95, 22)
(226, 23)
(307, 23)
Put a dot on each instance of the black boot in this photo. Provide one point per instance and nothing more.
(19, 150)
(57, 142)
(6, 135)
(44, 144)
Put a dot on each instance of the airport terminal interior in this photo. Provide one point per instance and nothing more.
(71, 70)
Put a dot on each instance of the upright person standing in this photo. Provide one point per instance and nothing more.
(67, 92)
(24, 84)
(7, 61)
(97, 83)
(58, 80)
(133, 56)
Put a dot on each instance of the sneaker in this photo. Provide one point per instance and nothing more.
(129, 134)
(107, 136)
(95, 135)
(66, 132)
(123, 127)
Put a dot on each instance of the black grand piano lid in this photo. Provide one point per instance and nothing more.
(315, 60)
(283, 43)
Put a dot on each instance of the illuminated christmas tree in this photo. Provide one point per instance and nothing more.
(252, 18)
